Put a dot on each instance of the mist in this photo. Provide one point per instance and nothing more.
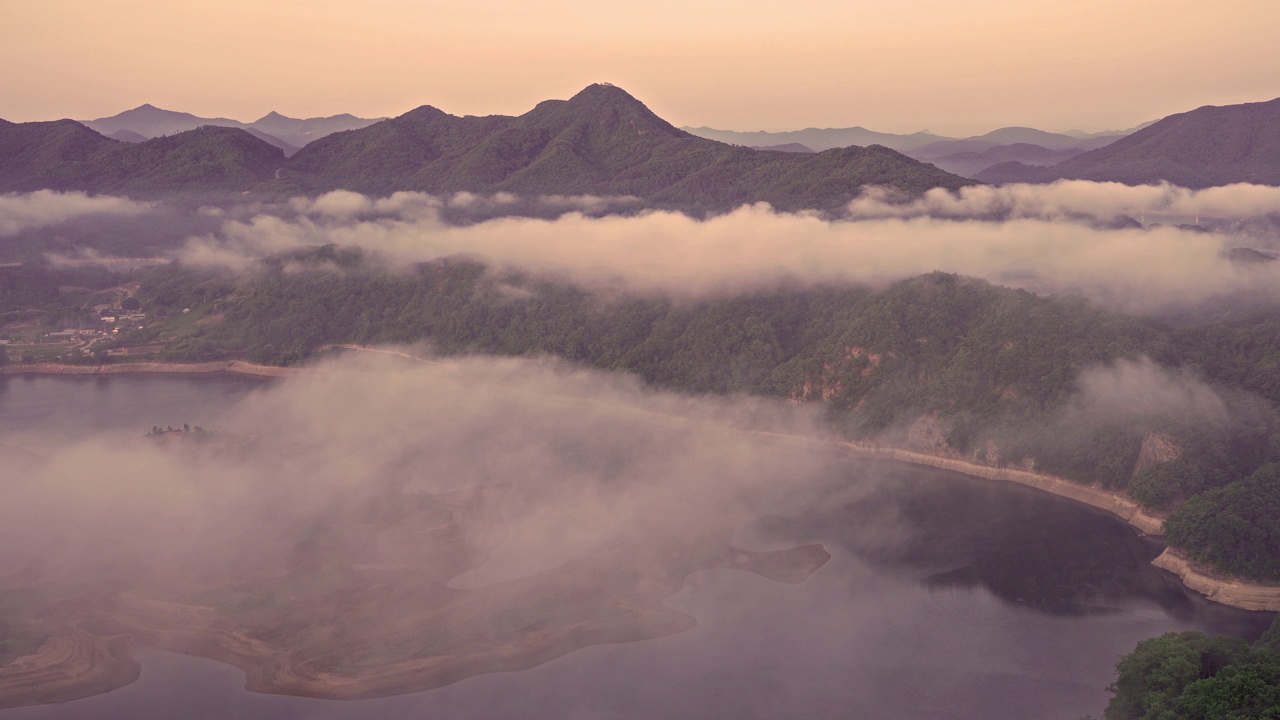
(543, 467)
(19, 212)
(1017, 236)
(1073, 200)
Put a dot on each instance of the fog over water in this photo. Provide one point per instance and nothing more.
(944, 597)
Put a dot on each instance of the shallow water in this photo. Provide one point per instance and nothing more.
(946, 597)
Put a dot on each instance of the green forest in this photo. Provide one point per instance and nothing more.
(941, 362)
(1193, 676)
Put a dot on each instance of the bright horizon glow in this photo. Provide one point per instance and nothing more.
(954, 68)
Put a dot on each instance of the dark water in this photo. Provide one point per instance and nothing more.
(946, 597)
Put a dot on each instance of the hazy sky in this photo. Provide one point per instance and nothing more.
(951, 66)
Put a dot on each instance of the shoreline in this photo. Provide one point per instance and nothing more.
(236, 367)
(1233, 592)
(1219, 589)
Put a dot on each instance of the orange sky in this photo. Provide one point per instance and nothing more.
(952, 66)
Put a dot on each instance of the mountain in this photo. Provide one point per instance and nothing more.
(65, 155)
(125, 135)
(1009, 137)
(819, 138)
(51, 155)
(1202, 148)
(272, 140)
(286, 133)
(919, 145)
(601, 141)
(1048, 140)
(788, 147)
(970, 164)
(1121, 133)
(300, 132)
(150, 121)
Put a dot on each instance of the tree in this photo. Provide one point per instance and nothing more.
(1150, 680)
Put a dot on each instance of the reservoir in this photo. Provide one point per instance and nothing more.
(945, 597)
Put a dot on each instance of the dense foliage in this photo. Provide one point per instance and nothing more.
(939, 362)
(1193, 676)
(1236, 527)
(65, 155)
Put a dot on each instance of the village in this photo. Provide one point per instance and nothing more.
(109, 324)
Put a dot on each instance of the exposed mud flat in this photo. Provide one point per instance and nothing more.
(382, 620)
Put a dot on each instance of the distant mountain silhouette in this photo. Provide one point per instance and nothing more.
(788, 147)
(285, 147)
(1047, 140)
(917, 145)
(601, 142)
(970, 164)
(150, 121)
(299, 132)
(819, 139)
(125, 135)
(286, 133)
(65, 155)
(1202, 148)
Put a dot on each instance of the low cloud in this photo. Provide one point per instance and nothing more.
(1129, 268)
(1072, 200)
(19, 212)
(590, 459)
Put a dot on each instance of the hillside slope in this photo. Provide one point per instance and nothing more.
(1202, 148)
(602, 142)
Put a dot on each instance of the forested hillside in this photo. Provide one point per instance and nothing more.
(942, 363)
(1202, 148)
(1193, 676)
(601, 142)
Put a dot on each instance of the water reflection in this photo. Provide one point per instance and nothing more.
(1029, 549)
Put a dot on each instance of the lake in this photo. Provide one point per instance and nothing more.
(946, 597)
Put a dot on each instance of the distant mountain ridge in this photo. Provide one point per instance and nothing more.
(917, 145)
(602, 142)
(972, 163)
(964, 156)
(288, 134)
(1205, 147)
(818, 139)
(65, 155)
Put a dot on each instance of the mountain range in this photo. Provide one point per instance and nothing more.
(605, 142)
(288, 134)
(1212, 145)
(602, 142)
(962, 156)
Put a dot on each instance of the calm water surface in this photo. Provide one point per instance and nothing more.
(946, 597)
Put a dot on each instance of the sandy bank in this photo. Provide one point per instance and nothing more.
(238, 367)
(1122, 507)
(68, 667)
(1228, 591)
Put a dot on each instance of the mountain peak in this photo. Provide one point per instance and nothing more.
(605, 93)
